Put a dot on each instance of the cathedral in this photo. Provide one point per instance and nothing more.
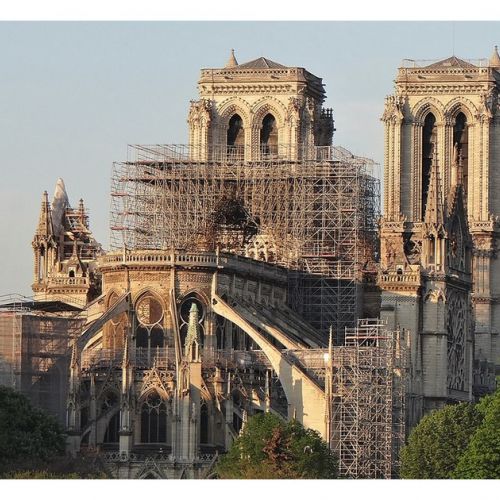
(242, 263)
(440, 228)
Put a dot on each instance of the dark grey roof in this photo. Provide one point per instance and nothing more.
(452, 62)
(260, 63)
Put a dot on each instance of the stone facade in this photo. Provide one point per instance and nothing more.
(440, 226)
(258, 108)
(65, 252)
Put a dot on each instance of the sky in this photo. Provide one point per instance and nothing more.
(74, 94)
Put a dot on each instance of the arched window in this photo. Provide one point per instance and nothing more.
(141, 337)
(111, 434)
(153, 420)
(429, 136)
(71, 274)
(204, 424)
(235, 137)
(220, 328)
(461, 148)
(156, 337)
(269, 135)
(149, 332)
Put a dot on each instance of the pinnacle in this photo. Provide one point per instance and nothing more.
(232, 60)
(495, 58)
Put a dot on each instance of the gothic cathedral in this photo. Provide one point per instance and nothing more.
(439, 272)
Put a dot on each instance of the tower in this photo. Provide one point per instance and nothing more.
(256, 110)
(65, 252)
(439, 272)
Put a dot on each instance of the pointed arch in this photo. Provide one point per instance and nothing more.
(232, 106)
(426, 106)
(460, 105)
(267, 105)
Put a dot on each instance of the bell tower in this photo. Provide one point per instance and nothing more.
(257, 110)
(439, 270)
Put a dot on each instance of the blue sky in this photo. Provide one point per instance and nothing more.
(73, 95)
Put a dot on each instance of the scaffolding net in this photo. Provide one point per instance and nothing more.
(315, 215)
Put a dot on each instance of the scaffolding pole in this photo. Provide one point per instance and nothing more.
(316, 215)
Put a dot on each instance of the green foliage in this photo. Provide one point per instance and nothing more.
(460, 442)
(481, 460)
(26, 433)
(436, 444)
(269, 448)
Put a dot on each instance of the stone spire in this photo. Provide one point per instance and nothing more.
(192, 343)
(495, 59)
(59, 204)
(45, 227)
(232, 61)
(434, 207)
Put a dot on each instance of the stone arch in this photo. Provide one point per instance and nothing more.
(201, 295)
(460, 105)
(426, 106)
(204, 301)
(149, 291)
(158, 389)
(111, 295)
(267, 105)
(232, 106)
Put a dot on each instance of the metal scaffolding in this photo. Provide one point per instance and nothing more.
(315, 215)
(368, 400)
(35, 349)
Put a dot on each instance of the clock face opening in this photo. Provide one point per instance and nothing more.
(149, 311)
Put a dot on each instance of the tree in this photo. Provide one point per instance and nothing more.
(481, 459)
(437, 443)
(26, 433)
(270, 448)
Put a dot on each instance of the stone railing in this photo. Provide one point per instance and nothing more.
(409, 278)
(210, 260)
(66, 280)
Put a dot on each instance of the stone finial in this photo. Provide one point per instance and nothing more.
(232, 60)
(495, 58)
(193, 335)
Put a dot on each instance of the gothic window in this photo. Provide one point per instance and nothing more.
(204, 424)
(149, 332)
(235, 137)
(156, 337)
(71, 274)
(429, 136)
(461, 148)
(115, 330)
(184, 316)
(153, 420)
(220, 328)
(269, 135)
(111, 434)
(141, 337)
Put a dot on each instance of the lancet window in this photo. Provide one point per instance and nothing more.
(153, 419)
(269, 135)
(235, 137)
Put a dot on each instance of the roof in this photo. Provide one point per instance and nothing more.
(46, 306)
(452, 62)
(261, 63)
